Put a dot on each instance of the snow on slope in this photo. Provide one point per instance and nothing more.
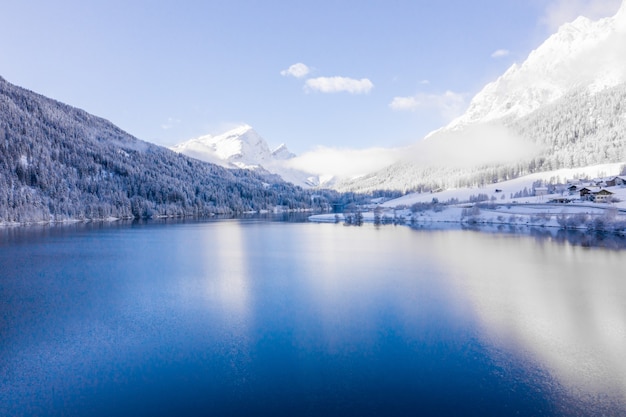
(244, 148)
(583, 53)
(282, 153)
(510, 187)
(561, 103)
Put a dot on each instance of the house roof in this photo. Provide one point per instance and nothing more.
(604, 192)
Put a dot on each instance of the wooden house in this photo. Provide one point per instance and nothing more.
(586, 193)
(602, 196)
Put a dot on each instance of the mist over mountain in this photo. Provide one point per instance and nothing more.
(58, 162)
(562, 107)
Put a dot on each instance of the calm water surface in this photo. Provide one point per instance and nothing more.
(271, 318)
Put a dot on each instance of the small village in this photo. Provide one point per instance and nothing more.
(585, 204)
(601, 190)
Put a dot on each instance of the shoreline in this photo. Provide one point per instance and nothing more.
(578, 217)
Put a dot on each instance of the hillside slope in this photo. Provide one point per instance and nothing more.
(58, 162)
(563, 107)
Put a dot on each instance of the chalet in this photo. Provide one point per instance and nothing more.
(586, 193)
(572, 189)
(602, 196)
(618, 181)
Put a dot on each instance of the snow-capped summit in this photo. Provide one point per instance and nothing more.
(242, 147)
(282, 153)
(584, 54)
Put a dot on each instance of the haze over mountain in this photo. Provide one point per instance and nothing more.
(562, 107)
(242, 147)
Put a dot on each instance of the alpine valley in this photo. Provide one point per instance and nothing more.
(561, 108)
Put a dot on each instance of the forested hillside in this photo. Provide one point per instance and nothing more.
(578, 130)
(58, 162)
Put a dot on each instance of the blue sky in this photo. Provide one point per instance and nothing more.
(371, 73)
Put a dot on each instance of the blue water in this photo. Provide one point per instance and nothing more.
(247, 317)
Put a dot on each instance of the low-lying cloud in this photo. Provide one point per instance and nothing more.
(473, 146)
(344, 163)
(477, 145)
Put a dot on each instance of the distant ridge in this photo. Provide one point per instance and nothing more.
(242, 147)
(61, 163)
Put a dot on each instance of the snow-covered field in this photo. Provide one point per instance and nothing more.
(503, 208)
(511, 187)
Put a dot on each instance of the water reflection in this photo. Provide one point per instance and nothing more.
(585, 238)
(247, 317)
(562, 304)
(226, 270)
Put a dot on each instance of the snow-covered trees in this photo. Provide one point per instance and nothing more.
(580, 129)
(58, 162)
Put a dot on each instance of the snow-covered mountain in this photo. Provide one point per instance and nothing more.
(243, 147)
(563, 107)
(282, 153)
(584, 55)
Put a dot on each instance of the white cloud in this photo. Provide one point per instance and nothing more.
(339, 84)
(404, 103)
(500, 53)
(298, 70)
(475, 145)
(344, 163)
(448, 104)
(559, 12)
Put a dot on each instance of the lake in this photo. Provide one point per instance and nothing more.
(258, 317)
